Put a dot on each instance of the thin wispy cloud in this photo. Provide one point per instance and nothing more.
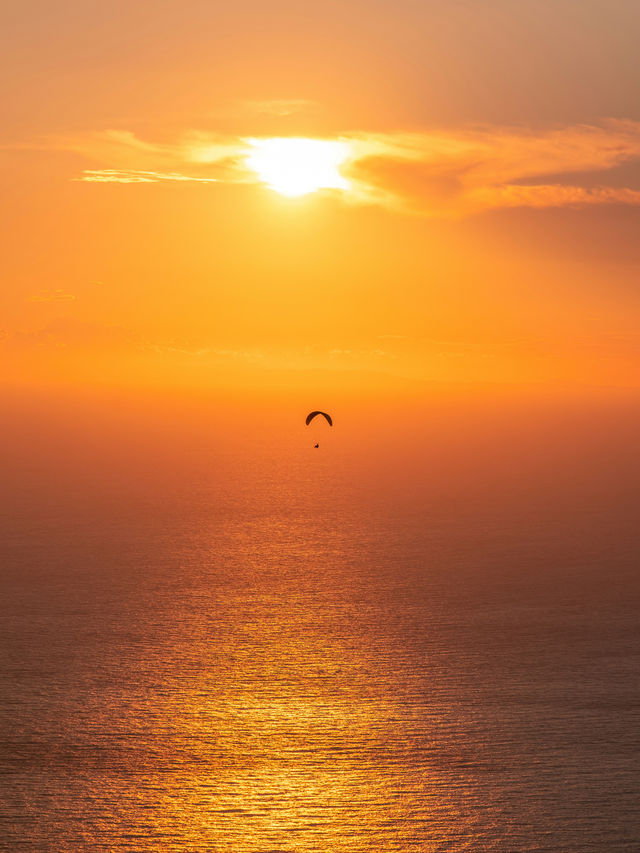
(449, 173)
(278, 107)
(133, 176)
(72, 333)
(552, 195)
(52, 296)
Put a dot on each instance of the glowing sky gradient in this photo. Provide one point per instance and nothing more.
(462, 202)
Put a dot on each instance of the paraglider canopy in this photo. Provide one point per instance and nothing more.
(312, 415)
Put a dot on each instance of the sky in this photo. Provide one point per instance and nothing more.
(464, 206)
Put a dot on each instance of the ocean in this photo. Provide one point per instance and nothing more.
(421, 636)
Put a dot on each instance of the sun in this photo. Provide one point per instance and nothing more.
(295, 167)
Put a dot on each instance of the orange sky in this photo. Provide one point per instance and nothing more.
(489, 232)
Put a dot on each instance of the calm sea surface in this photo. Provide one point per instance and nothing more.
(416, 640)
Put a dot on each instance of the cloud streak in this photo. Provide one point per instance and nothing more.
(52, 296)
(277, 107)
(450, 173)
(136, 176)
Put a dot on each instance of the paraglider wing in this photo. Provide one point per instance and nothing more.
(312, 415)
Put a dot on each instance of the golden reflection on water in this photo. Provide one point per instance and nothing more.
(303, 716)
(303, 762)
(280, 662)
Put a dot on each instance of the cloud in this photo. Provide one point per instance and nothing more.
(465, 172)
(122, 157)
(368, 353)
(52, 296)
(70, 333)
(448, 173)
(276, 107)
(133, 176)
(552, 195)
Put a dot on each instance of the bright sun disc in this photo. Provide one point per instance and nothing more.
(295, 167)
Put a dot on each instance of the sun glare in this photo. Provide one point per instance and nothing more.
(295, 167)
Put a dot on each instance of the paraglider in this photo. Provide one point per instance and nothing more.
(312, 415)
